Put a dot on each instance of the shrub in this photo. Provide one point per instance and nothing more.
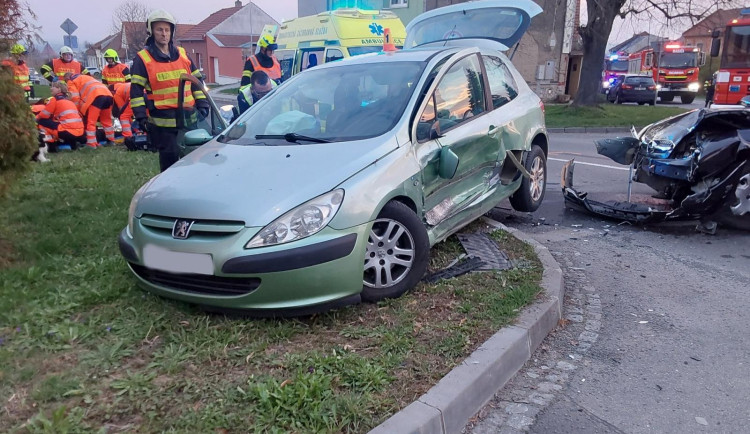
(18, 136)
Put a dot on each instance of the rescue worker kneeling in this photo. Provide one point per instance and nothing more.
(95, 103)
(60, 119)
(122, 110)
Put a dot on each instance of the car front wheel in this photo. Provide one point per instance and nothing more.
(530, 194)
(397, 253)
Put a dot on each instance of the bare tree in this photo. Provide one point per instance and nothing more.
(601, 16)
(134, 34)
(17, 24)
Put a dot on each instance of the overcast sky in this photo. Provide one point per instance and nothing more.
(94, 17)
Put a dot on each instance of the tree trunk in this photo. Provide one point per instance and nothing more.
(594, 36)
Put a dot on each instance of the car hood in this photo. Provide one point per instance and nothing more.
(254, 184)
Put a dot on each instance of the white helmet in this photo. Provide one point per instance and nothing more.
(160, 15)
(65, 49)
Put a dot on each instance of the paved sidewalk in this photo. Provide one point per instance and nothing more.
(223, 98)
(447, 406)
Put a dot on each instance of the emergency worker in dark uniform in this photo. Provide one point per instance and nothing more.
(155, 78)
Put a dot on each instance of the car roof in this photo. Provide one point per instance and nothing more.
(419, 54)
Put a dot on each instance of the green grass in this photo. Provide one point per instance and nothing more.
(83, 349)
(41, 91)
(607, 115)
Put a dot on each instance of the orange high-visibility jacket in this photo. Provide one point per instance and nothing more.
(115, 74)
(88, 89)
(164, 79)
(60, 68)
(64, 111)
(122, 99)
(20, 73)
(274, 72)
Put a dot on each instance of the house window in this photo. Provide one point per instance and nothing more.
(399, 3)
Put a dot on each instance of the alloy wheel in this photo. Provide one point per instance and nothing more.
(536, 184)
(390, 254)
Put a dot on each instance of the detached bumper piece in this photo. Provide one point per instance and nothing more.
(625, 211)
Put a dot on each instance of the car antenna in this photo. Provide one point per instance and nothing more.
(451, 32)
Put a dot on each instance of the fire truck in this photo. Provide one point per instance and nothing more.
(614, 65)
(733, 76)
(675, 69)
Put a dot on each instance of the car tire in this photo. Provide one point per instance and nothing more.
(618, 100)
(393, 266)
(687, 99)
(666, 98)
(740, 196)
(652, 102)
(641, 103)
(530, 194)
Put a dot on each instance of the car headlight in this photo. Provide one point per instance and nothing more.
(134, 201)
(658, 86)
(303, 221)
(694, 87)
(605, 84)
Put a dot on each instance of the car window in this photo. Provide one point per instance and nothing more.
(640, 80)
(502, 85)
(458, 97)
(286, 61)
(336, 103)
(333, 54)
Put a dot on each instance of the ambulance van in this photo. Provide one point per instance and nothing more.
(308, 41)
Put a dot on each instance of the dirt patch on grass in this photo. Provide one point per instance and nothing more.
(6, 253)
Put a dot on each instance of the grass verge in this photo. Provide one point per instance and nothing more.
(230, 91)
(607, 115)
(83, 349)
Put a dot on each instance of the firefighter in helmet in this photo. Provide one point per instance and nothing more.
(55, 69)
(114, 72)
(17, 63)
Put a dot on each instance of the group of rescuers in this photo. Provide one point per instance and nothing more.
(147, 92)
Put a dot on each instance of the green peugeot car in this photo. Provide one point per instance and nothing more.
(332, 188)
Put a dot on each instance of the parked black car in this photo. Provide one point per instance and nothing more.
(633, 88)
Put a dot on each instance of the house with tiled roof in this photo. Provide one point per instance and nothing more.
(220, 44)
(700, 34)
(127, 42)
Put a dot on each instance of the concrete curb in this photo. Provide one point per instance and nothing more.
(592, 130)
(448, 406)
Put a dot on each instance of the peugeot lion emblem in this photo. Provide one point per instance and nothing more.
(181, 229)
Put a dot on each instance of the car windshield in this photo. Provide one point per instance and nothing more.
(345, 102)
(617, 65)
(678, 60)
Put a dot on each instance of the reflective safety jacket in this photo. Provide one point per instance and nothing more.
(62, 110)
(58, 68)
(274, 72)
(122, 100)
(155, 79)
(88, 89)
(117, 73)
(20, 73)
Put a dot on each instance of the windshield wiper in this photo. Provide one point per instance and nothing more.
(292, 137)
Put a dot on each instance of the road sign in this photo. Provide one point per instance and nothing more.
(68, 26)
(71, 41)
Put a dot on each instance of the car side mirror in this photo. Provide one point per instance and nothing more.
(716, 34)
(448, 164)
(197, 137)
(715, 47)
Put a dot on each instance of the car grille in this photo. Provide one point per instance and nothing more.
(204, 228)
(198, 283)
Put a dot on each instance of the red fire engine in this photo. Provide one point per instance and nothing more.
(733, 77)
(675, 69)
(614, 65)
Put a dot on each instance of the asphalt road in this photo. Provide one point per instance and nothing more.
(654, 337)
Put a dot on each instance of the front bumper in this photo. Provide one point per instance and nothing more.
(300, 277)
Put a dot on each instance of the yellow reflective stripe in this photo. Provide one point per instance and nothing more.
(246, 73)
(139, 80)
(198, 94)
(170, 75)
(166, 90)
(137, 102)
(115, 79)
(145, 56)
(168, 123)
(22, 77)
(68, 112)
(197, 73)
(127, 77)
(160, 103)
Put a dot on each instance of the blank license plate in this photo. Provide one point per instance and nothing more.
(177, 262)
(640, 88)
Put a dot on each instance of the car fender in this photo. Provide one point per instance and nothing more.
(398, 176)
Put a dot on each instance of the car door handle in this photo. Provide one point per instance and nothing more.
(493, 130)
